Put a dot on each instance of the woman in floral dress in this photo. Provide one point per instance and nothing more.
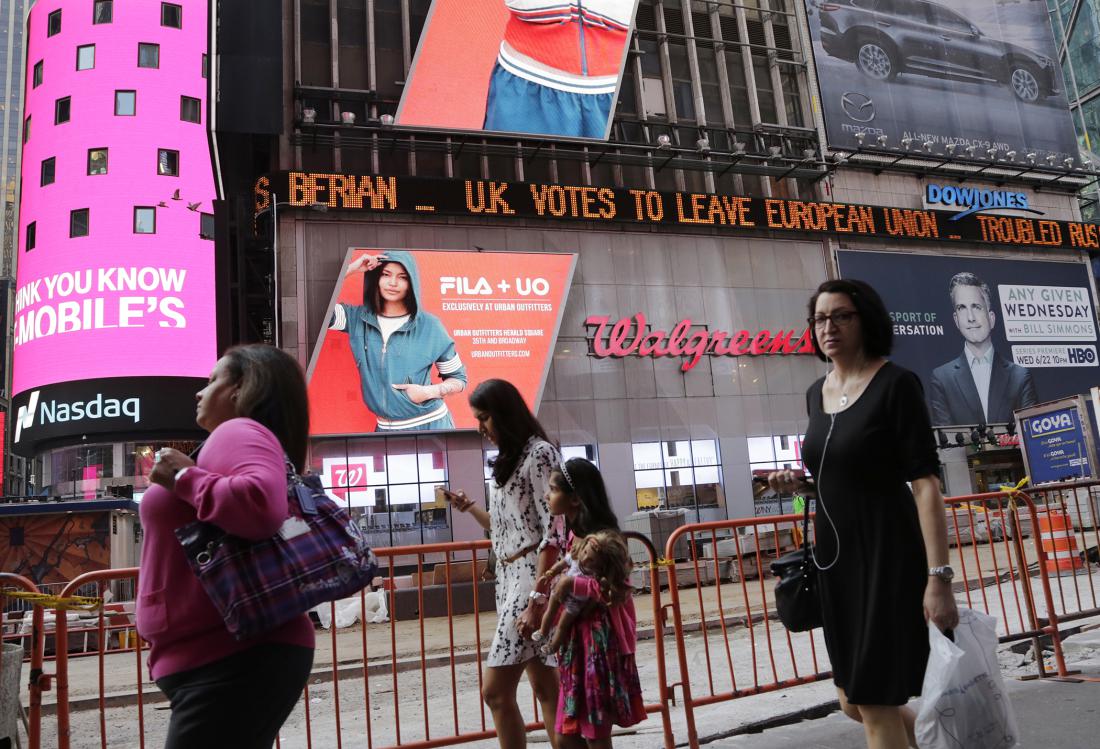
(527, 543)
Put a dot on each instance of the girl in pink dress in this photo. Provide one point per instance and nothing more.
(592, 602)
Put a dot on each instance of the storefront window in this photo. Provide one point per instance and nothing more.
(389, 486)
(683, 473)
(767, 454)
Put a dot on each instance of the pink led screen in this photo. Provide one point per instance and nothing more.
(134, 297)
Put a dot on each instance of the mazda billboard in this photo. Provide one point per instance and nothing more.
(975, 73)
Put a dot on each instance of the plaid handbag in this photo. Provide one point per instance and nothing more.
(318, 555)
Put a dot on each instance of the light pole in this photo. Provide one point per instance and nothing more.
(320, 208)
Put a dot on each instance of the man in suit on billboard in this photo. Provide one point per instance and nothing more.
(978, 387)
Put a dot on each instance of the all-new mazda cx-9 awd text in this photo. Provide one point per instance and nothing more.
(885, 38)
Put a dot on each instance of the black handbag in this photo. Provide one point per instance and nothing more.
(797, 599)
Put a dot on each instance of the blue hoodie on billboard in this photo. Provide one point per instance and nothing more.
(406, 358)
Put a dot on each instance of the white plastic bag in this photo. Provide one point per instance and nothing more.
(348, 609)
(963, 700)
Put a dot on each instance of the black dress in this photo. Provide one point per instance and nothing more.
(872, 598)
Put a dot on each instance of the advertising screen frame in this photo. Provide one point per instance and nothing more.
(856, 99)
(916, 290)
(1084, 433)
(338, 288)
(397, 124)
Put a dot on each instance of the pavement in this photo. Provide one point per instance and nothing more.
(1050, 714)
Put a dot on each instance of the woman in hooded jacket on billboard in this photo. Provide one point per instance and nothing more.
(395, 344)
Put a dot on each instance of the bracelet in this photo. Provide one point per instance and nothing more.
(537, 597)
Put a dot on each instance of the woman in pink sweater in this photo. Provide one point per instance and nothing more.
(225, 692)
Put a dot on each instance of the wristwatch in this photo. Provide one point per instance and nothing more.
(945, 573)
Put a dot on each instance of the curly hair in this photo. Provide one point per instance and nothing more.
(604, 556)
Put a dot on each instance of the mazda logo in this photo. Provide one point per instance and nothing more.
(857, 106)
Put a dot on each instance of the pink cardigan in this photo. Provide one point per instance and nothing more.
(239, 485)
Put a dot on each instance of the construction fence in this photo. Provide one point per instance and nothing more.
(402, 665)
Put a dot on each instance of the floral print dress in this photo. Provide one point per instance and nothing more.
(519, 515)
(599, 675)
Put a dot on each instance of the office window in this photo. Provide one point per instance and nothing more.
(682, 473)
(205, 65)
(48, 168)
(62, 108)
(78, 222)
(53, 23)
(36, 81)
(190, 109)
(103, 11)
(125, 103)
(97, 161)
(168, 163)
(85, 57)
(27, 129)
(206, 225)
(148, 55)
(171, 15)
(32, 231)
(145, 220)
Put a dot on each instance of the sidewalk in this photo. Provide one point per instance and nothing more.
(1050, 714)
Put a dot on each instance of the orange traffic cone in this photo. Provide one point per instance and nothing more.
(1059, 542)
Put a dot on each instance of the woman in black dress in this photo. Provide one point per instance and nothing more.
(881, 548)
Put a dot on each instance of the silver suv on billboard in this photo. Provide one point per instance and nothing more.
(885, 38)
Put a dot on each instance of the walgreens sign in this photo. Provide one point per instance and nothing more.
(631, 336)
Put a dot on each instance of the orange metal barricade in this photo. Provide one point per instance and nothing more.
(733, 556)
(38, 681)
(432, 648)
(719, 605)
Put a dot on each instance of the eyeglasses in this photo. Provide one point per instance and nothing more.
(839, 319)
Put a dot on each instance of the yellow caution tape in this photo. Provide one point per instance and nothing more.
(662, 562)
(1014, 490)
(84, 603)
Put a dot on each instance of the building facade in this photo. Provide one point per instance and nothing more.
(716, 97)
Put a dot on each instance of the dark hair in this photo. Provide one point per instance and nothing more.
(585, 482)
(512, 421)
(273, 392)
(878, 329)
(372, 297)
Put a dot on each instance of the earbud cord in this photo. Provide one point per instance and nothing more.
(820, 498)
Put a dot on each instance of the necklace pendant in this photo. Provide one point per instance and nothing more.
(843, 400)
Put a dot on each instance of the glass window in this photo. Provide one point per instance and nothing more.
(103, 11)
(125, 103)
(388, 485)
(27, 129)
(48, 168)
(190, 109)
(767, 454)
(148, 55)
(680, 473)
(145, 220)
(85, 57)
(32, 231)
(206, 225)
(168, 162)
(171, 15)
(78, 222)
(205, 65)
(62, 109)
(53, 23)
(37, 78)
(97, 161)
